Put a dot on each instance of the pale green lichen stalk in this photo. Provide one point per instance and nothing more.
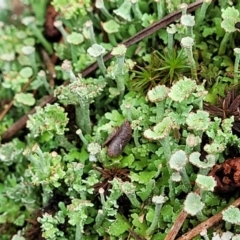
(178, 163)
(158, 201)
(30, 22)
(100, 5)
(74, 40)
(29, 51)
(160, 132)
(188, 21)
(136, 10)
(59, 25)
(119, 70)
(171, 30)
(67, 67)
(45, 169)
(85, 94)
(236, 65)
(89, 27)
(109, 204)
(187, 43)
(124, 11)
(200, 15)
(129, 189)
(83, 139)
(78, 214)
(97, 51)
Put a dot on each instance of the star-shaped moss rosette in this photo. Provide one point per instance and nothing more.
(108, 175)
(182, 89)
(227, 175)
(198, 121)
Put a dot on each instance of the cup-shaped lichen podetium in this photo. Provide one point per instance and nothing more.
(124, 11)
(231, 215)
(193, 204)
(161, 132)
(158, 95)
(85, 94)
(130, 190)
(100, 5)
(111, 27)
(206, 184)
(182, 89)
(230, 16)
(158, 201)
(120, 69)
(188, 21)
(187, 43)
(177, 162)
(97, 51)
(204, 166)
(198, 121)
(75, 39)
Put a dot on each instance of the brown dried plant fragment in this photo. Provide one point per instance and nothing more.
(118, 139)
(50, 31)
(227, 175)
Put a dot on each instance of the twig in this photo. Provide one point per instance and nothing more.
(206, 224)
(176, 226)
(17, 126)
(50, 67)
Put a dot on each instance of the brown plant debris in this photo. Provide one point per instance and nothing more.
(109, 175)
(227, 175)
(50, 32)
(227, 107)
(118, 139)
